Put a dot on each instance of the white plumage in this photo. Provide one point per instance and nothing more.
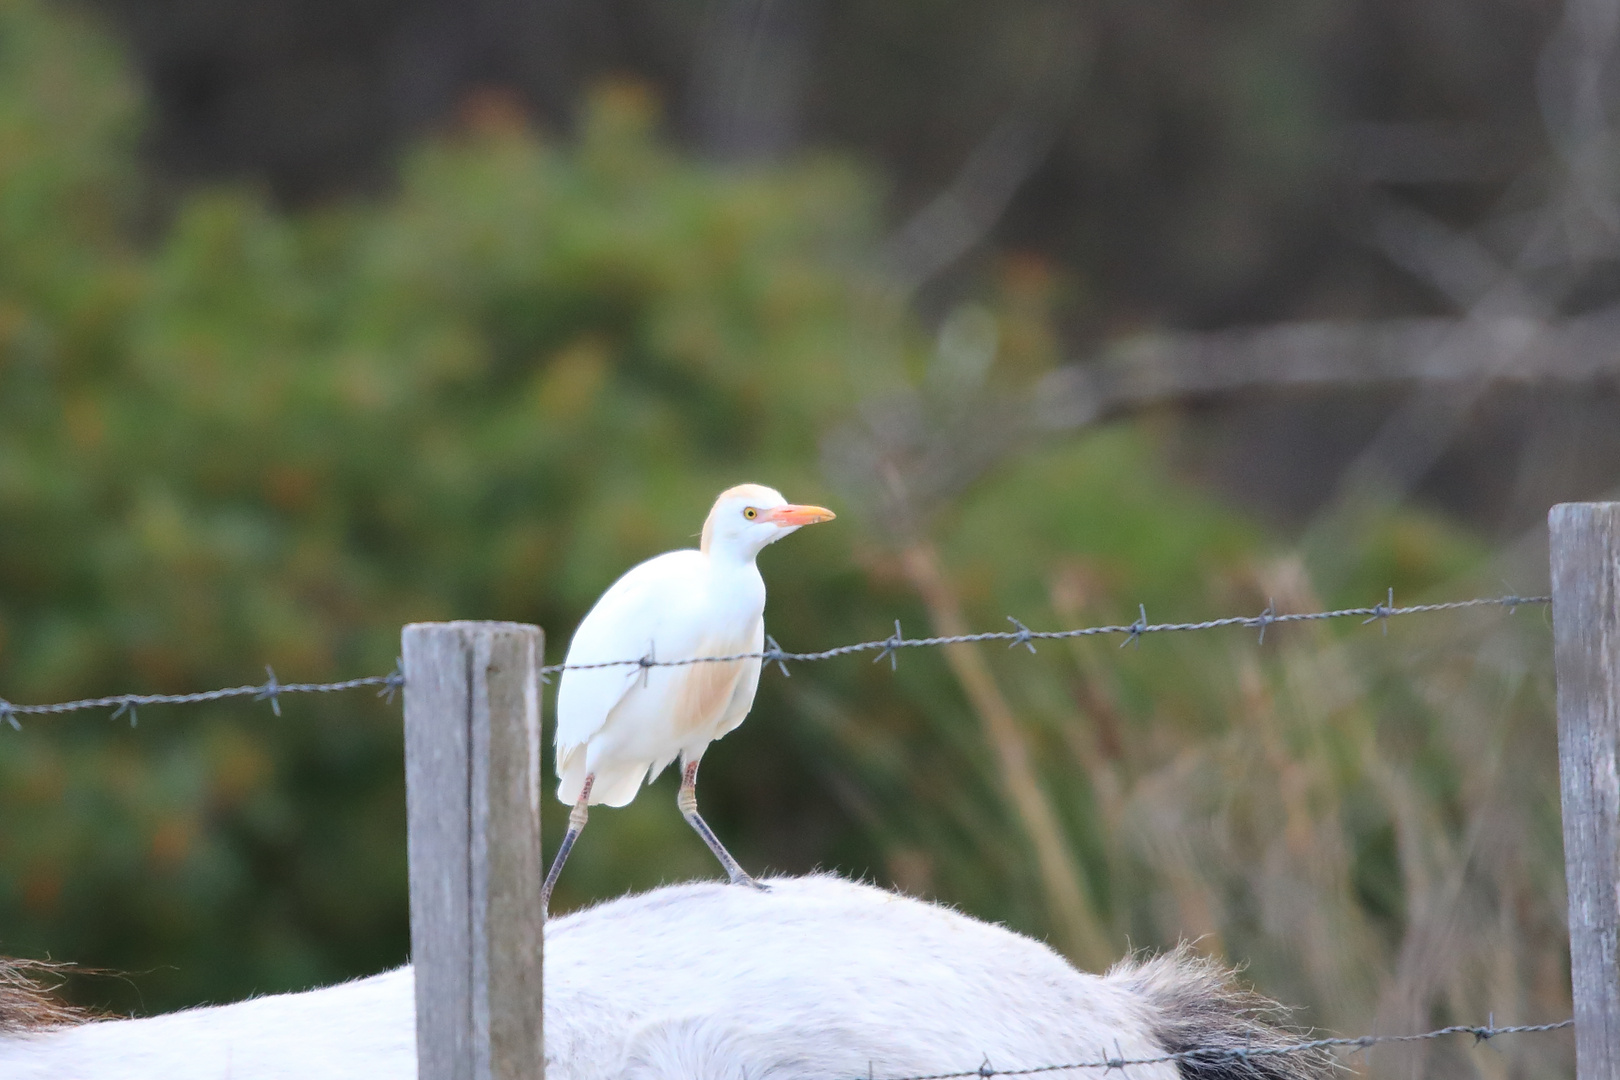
(618, 726)
(624, 725)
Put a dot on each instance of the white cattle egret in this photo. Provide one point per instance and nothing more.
(618, 726)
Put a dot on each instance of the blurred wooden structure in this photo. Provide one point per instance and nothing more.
(472, 791)
(1585, 541)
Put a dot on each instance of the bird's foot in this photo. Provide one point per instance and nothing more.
(742, 878)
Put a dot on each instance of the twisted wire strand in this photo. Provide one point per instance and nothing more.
(272, 690)
(1238, 1053)
(1022, 635)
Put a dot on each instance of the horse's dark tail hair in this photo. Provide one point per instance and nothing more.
(29, 1000)
(1197, 1008)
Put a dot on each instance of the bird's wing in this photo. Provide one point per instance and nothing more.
(624, 625)
(742, 695)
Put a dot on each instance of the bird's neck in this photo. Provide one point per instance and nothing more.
(734, 585)
(726, 561)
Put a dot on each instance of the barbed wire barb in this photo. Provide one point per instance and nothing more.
(1137, 628)
(1381, 612)
(270, 691)
(1118, 1060)
(1266, 617)
(773, 652)
(1022, 637)
(394, 681)
(891, 647)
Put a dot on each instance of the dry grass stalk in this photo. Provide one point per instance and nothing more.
(1082, 933)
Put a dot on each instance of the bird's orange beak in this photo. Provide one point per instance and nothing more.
(793, 514)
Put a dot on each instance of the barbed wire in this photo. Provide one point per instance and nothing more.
(272, 690)
(1022, 635)
(1311, 1047)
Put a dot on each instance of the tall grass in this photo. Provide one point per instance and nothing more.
(1367, 818)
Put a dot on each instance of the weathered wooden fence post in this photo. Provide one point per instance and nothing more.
(472, 795)
(1585, 544)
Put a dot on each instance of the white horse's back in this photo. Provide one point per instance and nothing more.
(819, 978)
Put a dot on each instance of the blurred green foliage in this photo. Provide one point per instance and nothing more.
(243, 437)
(257, 439)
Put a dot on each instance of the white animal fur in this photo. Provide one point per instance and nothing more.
(819, 978)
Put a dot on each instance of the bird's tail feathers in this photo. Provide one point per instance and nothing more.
(570, 774)
(618, 787)
(612, 788)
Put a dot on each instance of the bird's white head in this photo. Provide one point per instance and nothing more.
(749, 516)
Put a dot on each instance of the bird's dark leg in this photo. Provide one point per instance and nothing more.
(687, 801)
(576, 825)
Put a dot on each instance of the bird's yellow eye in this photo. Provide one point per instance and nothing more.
(750, 513)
